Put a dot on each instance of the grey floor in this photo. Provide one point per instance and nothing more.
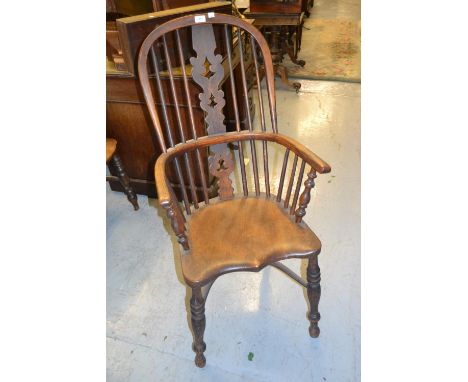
(264, 313)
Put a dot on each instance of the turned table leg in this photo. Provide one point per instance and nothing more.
(124, 180)
(282, 72)
(197, 309)
(313, 292)
(289, 49)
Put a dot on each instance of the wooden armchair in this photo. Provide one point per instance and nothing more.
(254, 222)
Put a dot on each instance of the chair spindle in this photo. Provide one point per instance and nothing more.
(179, 122)
(291, 181)
(177, 166)
(283, 173)
(192, 119)
(228, 39)
(262, 116)
(246, 98)
(298, 187)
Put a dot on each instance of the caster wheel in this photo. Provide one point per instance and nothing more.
(297, 86)
(301, 63)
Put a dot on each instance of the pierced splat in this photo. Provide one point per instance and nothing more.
(221, 166)
(208, 72)
(212, 101)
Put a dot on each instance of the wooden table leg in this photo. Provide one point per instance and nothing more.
(289, 49)
(277, 38)
(282, 72)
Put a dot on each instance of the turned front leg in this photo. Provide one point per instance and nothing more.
(197, 308)
(313, 292)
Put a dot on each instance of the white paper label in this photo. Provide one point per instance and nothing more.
(200, 19)
(211, 15)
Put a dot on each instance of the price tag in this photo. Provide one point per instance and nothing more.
(200, 19)
(211, 15)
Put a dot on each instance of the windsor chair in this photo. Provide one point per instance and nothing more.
(248, 225)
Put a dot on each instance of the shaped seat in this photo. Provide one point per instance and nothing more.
(242, 235)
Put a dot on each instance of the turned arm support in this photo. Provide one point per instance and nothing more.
(169, 202)
(305, 196)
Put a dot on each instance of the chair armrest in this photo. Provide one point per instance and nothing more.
(165, 195)
(312, 159)
(309, 157)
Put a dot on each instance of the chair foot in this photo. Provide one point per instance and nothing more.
(197, 309)
(124, 180)
(314, 330)
(200, 360)
(313, 293)
(134, 202)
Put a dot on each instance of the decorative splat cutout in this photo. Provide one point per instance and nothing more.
(208, 72)
(221, 166)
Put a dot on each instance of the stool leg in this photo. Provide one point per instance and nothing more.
(197, 309)
(313, 292)
(116, 163)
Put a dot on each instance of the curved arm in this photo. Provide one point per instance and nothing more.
(162, 183)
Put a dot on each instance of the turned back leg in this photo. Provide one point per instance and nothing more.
(313, 292)
(124, 180)
(197, 309)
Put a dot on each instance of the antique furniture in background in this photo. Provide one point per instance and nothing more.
(128, 120)
(254, 222)
(276, 6)
(117, 9)
(161, 5)
(138, 7)
(281, 23)
(306, 5)
(114, 161)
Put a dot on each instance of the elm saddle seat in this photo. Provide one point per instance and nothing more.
(243, 234)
